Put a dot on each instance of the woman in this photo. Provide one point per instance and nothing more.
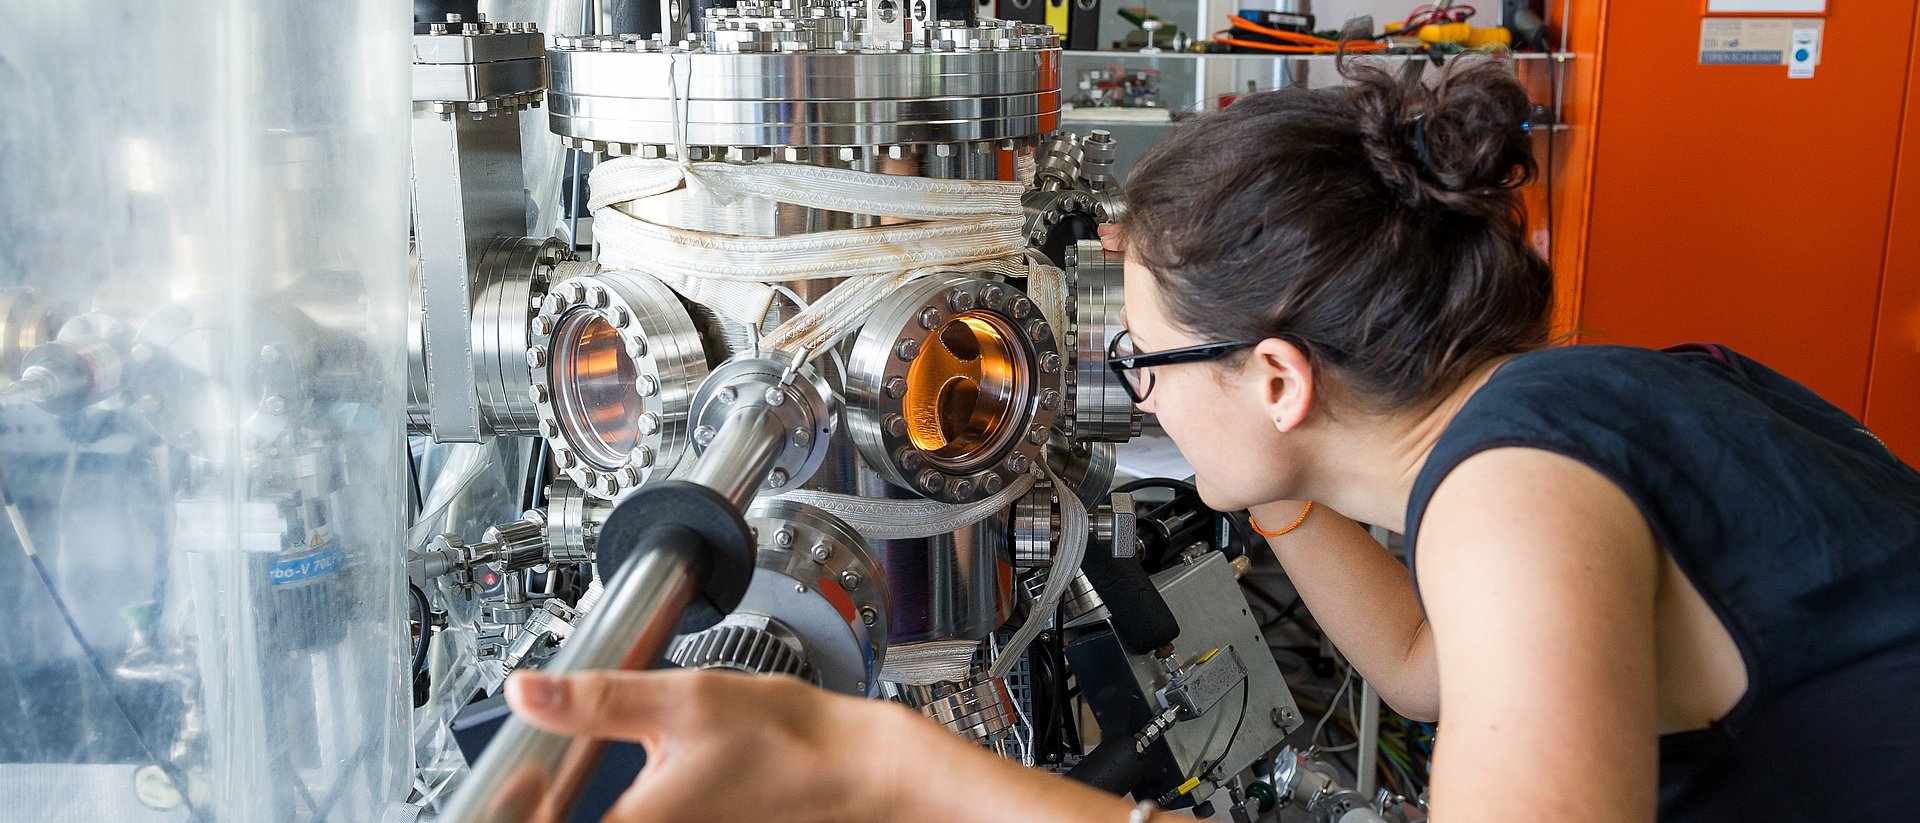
(1649, 584)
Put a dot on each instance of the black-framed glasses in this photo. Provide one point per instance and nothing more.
(1136, 368)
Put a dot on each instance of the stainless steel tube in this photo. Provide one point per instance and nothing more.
(736, 463)
(529, 775)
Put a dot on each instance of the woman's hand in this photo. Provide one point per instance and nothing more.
(729, 747)
(1111, 238)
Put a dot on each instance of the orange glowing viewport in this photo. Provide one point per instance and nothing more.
(967, 390)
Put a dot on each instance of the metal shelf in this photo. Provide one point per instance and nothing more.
(1529, 56)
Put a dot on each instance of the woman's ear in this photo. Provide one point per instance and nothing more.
(1283, 376)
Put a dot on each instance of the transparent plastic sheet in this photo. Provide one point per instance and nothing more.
(201, 550)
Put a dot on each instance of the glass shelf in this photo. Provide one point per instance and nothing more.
(1561, 57)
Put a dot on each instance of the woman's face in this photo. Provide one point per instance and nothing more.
(1215, 412)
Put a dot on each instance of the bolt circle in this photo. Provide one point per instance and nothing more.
(851, 579)
(896, 387)
(821, 552)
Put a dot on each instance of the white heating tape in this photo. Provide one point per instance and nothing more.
(1048, 288)
(973, 223)
(1025, 168)
(857, 192)
(821, 325)
(930, 662)
(883, 519)
(629, 242)
(1066, 564)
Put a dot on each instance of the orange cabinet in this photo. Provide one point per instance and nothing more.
(1732, 204)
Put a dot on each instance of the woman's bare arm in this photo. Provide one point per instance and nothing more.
(1539, 576)
(1363, 599)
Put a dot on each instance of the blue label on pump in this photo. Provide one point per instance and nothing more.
(304, 567)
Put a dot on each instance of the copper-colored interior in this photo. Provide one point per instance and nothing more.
(964, 396)
(599, 390)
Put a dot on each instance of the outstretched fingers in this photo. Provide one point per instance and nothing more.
(634, 706)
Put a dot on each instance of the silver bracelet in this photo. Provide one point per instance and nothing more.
(1142, 812)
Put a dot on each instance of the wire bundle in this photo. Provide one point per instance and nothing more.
(1240, 32)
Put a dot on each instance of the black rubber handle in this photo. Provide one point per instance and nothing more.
(640, 523)
(1141, 619)
(1113, 766)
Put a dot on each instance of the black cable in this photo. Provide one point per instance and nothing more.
(1245, 694)
(1282, 617)
(1156, 483)
(426, 626)
(536, 491)
(166, 767)
(1264, 597)
(413, 488)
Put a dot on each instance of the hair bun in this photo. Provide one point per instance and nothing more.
(1460, 144)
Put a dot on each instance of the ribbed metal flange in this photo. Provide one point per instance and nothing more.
(513, 274)
(1098, 408)
(1036, 520)
(616, 361)
(573, 522)
(938, 83)
(980, 710)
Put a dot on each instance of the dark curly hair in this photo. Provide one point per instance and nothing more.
(1377, 226)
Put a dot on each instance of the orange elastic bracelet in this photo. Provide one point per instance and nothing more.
(1296, 523)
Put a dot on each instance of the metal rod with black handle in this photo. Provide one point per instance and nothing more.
(680, 557)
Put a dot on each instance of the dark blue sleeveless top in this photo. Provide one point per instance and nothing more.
(1798, 527)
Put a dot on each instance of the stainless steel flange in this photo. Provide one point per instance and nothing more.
(818, 606)
(616, 362)
(953, 386)
(1036, 522)
(512, 276)
(796, 395)
(733, 85)
(980, 709)
(1098, 408)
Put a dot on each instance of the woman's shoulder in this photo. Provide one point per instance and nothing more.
(1593, 366)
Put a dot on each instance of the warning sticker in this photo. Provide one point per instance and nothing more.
(1757, 41)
